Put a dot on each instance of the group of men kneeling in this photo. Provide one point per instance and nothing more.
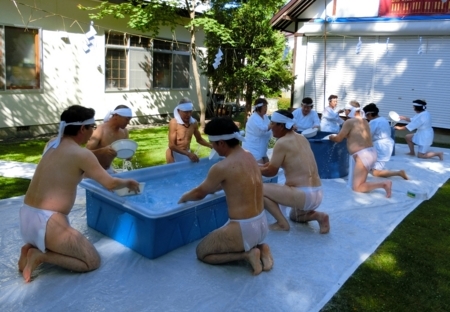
(50, 196)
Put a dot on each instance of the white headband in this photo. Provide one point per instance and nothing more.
(353, 110)
(256, 106)
(277, 117)
(420, 105)
(236, 135)
(124, 112)
(185, 107)
(62, 126)
(348, 106)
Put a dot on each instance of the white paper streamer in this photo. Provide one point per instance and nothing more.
(358, 46)
(90, 39)
(420, 46)
(218, 59)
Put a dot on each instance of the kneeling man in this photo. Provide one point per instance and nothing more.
(363, 155)
(44, 222)
(238, 175)
(302, 190)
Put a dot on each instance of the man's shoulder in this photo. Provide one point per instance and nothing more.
(173, 122)
(286, 141)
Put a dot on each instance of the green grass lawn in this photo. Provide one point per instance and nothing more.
(410, 270)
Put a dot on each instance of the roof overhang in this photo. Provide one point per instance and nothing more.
(289, 14)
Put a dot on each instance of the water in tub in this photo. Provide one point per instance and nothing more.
(163, 193)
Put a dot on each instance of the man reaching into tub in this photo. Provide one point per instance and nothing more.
(302, 190)
(43, 219)
(113, 129)
(363, 155)
(241, 237)
(181, 129)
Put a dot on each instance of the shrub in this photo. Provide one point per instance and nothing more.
(284, 103)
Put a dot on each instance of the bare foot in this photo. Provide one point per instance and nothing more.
(33, 262)
(404, 175)
(253, 257)
(279, 227)
(388, 188)
(440, 155)
(324, 223)
(266, 257)
(23, 256)
(411, 154)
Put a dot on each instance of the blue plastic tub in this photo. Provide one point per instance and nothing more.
(152, 223)
(331, 157)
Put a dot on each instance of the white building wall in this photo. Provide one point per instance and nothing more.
(390, 79)
(69, 75)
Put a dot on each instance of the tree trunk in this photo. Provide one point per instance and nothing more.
(195, 71)
(248, 102)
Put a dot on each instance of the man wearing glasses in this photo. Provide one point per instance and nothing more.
(113, 129)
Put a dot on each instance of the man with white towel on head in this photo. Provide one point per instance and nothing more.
(363, 155)
(181, 129)
(43, 217)
(424, 135)
(302, 191)
(242, 237)
(305, 117)
(113, 129)
(351, 108)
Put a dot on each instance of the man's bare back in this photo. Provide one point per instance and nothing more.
(357, 132)
(239, 176)
(292, 152)
(57, 192)
(359, 138)
(302, 191)
(242, 184)
(45, 229)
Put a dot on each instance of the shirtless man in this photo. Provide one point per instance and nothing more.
(351, 108)
(238, 175)
(113, 129)
(181, 129)
(363, 155)
(302, 190)
(44, 222)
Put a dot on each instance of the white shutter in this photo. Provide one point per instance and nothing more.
(403, 75)
(349, 75)
(390, 73)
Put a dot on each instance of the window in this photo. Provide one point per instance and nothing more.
(20, 63)
(136, 62)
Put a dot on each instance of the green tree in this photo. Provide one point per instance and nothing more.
(150, 15)
(253, 59)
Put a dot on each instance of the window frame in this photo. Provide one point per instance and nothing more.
(128, 49)
(38, 58)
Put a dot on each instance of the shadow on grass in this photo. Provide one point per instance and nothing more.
(410, 271)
